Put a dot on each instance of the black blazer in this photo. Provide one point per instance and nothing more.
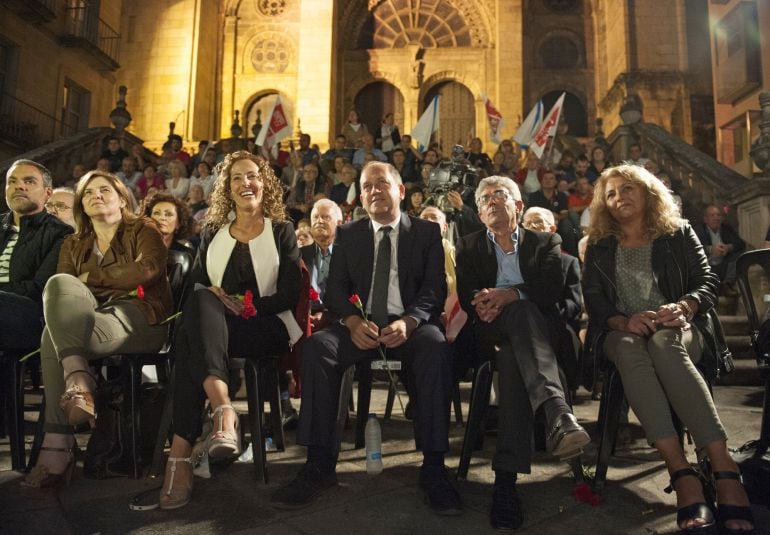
(420, 268)
(571, 303)
(289, 273)
(539, 261)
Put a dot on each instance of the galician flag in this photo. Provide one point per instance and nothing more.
(427, 124)
(496, 121)
(276, 128)
(529, 127)
(548, 128)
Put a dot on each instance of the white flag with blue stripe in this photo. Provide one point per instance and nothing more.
(530, 126)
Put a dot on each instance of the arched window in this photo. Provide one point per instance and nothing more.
(561, 51)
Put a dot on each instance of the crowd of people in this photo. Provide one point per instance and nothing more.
(386, 257)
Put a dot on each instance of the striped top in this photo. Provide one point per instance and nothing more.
(5, 257)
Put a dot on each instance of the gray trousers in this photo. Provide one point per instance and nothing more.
(76, 325)
(658, 371)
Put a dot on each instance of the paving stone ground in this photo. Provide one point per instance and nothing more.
(232, 501)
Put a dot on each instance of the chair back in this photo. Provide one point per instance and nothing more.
(753, 278)
(178, 268)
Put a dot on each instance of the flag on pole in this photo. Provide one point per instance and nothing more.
(276, 128)
(496, 121)
(529, 127)
(427, 124)
(548, 128)
(455, 317)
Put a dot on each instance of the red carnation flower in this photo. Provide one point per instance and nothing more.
(248, 298)
(248, 311)
(355, 300)
(314, 295)
(140, 292)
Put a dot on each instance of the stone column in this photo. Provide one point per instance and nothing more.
(314, 83)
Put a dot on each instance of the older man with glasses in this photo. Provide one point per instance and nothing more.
(60, 205)
(509, 280)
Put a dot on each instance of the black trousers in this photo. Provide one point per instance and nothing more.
(528, 375)
(21, 322)
(206, 338)
(328, 353)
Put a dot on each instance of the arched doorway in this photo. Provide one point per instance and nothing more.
(574, 111)
(457, 115)
(374, 101)
(263, 104)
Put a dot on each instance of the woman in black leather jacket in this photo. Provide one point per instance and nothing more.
(650, 296)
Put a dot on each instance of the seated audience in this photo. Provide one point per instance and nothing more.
(338, 150)
(402, 259)
(579, 201)
(548, 197)
(196, 200)
(302, 195)
(177, 184)
(114, 155)
(388, 137)
(204, 177)
(367, 147)
(128, 173)
(78, 170)
(60, 204)
(528, 178)
(509, 280)
(354, 130)
(723, 246)
(414, 201)
(90, 313)
(307, 154)
(172, 217)
(570, 304)
(179, 154)
(30, 239)
(477, 158)
(325, 217)
(255, 253)
(598, 164)
(635, 155)
(150, 179)
(407, 172)
(650, 297)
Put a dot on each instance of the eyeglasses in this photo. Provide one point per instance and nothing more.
(496, 195)
(58, 206)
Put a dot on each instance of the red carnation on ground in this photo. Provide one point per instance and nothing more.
(583, 493)
(314, 294)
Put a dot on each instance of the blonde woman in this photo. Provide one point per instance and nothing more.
(650, 296)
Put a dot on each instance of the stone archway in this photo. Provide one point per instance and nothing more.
(376, 99)
(457, 114)
(263, 102)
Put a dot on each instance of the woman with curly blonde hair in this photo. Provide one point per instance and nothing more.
(650, 296)
(247, 249)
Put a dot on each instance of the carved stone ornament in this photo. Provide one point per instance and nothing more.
(271, 8)
(272, 53)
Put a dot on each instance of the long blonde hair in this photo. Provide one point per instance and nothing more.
(661, 215)
(222, 203)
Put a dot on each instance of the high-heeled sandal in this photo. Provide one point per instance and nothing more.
(176, 496)
(694, 511)
(77, 403)
(726, 512)
(41, 479)
(223, 444)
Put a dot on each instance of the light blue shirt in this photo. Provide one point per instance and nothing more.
(508, 270)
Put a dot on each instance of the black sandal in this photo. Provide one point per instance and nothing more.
(726, 513)
(693, 511)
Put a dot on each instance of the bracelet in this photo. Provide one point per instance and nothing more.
(688, 312)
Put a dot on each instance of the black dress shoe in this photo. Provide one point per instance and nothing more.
(440, 495)
(289, 419)
(506, 513)
(304, 488)
(566, 438)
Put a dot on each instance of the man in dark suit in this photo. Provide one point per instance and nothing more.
(509, 279)
(395, 263)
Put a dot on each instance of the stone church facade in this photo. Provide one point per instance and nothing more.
(198, 62)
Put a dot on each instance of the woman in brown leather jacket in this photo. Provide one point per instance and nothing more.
(649, 291)
(110, 295)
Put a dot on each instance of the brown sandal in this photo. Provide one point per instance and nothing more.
(78, 403)
(41, 479)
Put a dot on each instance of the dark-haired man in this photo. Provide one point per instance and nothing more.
(30, 239)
